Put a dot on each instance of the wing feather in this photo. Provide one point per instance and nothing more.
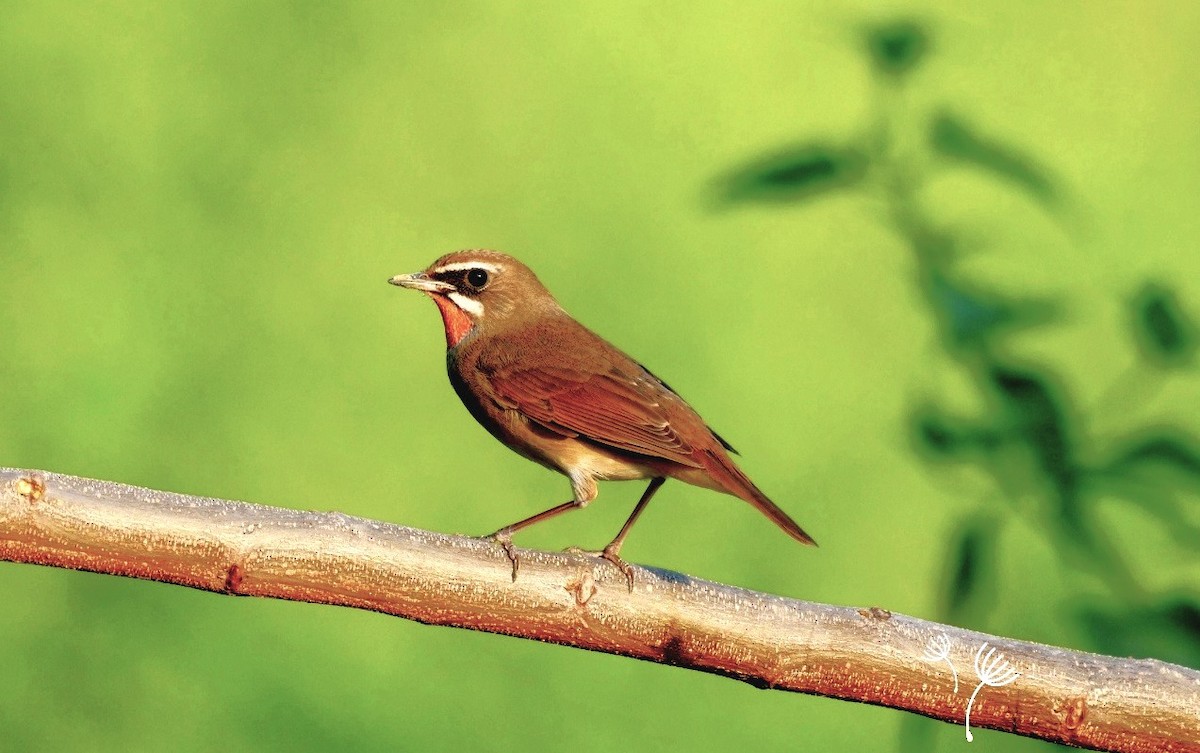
(616, 408)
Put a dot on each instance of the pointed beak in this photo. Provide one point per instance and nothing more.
(421, 281)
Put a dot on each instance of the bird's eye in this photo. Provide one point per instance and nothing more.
(477, 278)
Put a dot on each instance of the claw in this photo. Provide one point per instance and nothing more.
(610, 554)
(505, 542)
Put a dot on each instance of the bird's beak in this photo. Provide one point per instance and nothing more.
(421, 281)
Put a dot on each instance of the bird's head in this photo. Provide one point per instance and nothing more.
(480, 290)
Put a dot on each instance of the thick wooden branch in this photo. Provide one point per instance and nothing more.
(868, 655)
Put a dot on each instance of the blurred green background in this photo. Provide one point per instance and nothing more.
(931, 267)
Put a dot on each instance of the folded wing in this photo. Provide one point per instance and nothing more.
(628, 411)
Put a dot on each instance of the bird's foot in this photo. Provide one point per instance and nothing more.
(505, 541)
(610, 554)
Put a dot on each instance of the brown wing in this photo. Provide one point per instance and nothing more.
(622, 408)
(584, 387)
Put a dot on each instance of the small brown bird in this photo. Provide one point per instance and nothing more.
(560, 395)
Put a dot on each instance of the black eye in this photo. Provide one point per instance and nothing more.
(477, 278)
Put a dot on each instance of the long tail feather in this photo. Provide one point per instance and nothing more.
(740, 485)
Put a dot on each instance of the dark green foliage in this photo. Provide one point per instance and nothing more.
(1036, 416)
(1163, 332)
(969, 316)
(1033, 412)
(939, 435)
(794, 174)
(1157, 472)
(1168, 630)
(951, 136)
(1026, 437)
(971, 569)
(1176, 452)
(897, 47)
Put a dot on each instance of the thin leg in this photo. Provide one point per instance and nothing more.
(503, 537)
(611, 552)
(508, 531)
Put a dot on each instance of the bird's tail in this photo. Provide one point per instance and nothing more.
(740, 485)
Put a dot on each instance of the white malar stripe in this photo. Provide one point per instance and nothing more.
(460, 266)
(469, 305)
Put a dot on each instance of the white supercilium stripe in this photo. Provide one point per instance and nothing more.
(459, 266)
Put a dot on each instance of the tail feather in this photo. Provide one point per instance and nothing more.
(740, 485)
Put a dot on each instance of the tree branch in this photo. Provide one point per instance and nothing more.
(867, 655)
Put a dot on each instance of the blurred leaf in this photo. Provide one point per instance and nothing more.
(969, 315)
(967, 564)
(1178, 452)
(970, 579)
(943, 436)
(1147, 473)
(897, 47)
(937, 436)
(1034, 409)
(795, 174)
(1169, 631)
(953, 138)
(1036, 415)
(1163, 332)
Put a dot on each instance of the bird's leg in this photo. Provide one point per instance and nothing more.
(503, 537)
(611, 552)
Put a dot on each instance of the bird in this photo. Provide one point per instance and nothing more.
(560, 395)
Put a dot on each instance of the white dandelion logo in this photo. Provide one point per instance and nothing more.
(938, 649)
(994, 671)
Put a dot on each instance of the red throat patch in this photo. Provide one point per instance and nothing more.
(454, 319)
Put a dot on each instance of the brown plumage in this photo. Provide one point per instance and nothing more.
(559, 394)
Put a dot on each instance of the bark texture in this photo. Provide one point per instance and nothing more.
(861, 654)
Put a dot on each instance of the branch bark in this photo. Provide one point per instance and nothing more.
(867, 655)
